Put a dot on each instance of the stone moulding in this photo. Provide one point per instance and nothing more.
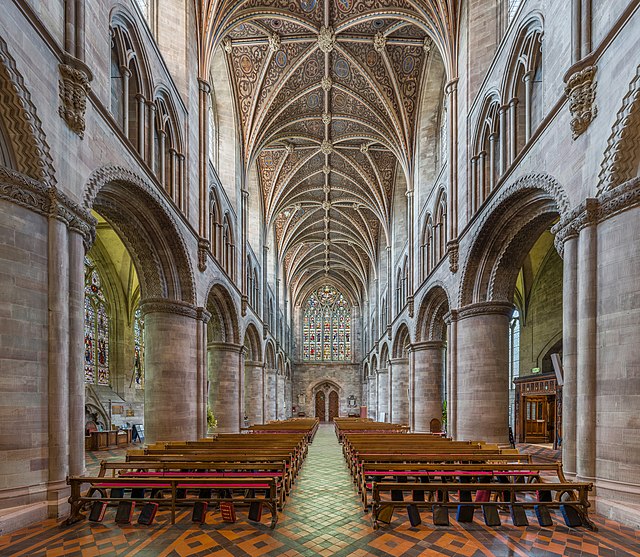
(596, 210)
(47, 201)
(175, 307)
(581, 91)
(485, 308)
(74, 88)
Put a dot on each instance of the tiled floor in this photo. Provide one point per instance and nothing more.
(322, 517)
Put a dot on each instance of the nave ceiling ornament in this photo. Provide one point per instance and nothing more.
(328, 95)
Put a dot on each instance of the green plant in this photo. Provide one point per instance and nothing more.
(444, 415)
(212, 423)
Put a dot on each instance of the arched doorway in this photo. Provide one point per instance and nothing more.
(321, 406)
(334, 407)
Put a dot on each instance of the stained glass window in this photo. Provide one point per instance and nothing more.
(326, 326)
(138, 344)
(96, 328)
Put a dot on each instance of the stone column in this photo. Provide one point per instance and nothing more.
(372, 410)
(383, 393)
(76, 353)
(280, 396)
(483, 372)
(587, 296)
(399, 382)
(58, 408)
(451, 319)
(254, 391)
(224, 385)
(427, 386)
(269, 394)
(170, 396)
(366, 384)
(569, 352)
(617, 396)
(203, 317)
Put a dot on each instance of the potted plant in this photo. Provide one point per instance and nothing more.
(212, 423)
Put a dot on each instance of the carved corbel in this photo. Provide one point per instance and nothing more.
(203, 249)
(454, 254)
(74, 87)
(581, 90)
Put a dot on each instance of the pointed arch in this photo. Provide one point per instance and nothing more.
(401, 341)
(223, 325)
(252, 343)
(430, 323)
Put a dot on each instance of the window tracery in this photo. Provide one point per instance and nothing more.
(326, 326)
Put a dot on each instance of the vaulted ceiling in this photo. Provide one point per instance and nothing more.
(328, 95)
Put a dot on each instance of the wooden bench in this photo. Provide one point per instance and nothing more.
(276, 470)
(172, 492)
(576, 494)
(426, 473)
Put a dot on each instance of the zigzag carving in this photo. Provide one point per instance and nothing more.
(23, 126)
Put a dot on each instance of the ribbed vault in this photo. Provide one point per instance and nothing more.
(327, 96)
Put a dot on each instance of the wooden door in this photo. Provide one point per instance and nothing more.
(320, 406)
(536, 417)
(334, 409)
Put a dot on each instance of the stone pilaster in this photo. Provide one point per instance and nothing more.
(254, 391)
(399, 385)
(224, 385)
(203, 317)
(76, 354)
(383, 394)
(427, 384)
(372, 411)
(269, 394)
(280, 409)
(483, 371)
(171, 383)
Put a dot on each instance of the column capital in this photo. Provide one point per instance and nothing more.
(203, 315)
(486, 308)
(163, 305)
(425, 345)
(226, 346)
(204, 86)
(47, 201)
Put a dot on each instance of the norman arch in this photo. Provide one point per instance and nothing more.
(138, 214)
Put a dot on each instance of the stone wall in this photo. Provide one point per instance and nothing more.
(307, 376)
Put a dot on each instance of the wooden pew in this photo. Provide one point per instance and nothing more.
(577, 493)
(166, 491)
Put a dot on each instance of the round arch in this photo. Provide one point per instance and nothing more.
(146, 226)
(252, 343)
(223, 325)
(401, 341)
(511, 226)
(430, 324)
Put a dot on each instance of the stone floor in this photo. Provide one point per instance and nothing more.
(323, 517)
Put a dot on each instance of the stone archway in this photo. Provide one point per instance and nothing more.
(326, 395)
(269, 380)
(512, 225)
(224, 357)
(428, 354)
(399, 411)
(253, 376)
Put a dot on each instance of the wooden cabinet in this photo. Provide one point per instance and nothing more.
(538, 409)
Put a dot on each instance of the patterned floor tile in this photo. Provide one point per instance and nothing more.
(322, 518)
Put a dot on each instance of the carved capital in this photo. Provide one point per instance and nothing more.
(453, 249)
(47, 201)
(486, 308)
(326, 39)
(203, 249)
(74, 88)
(581, 90)
(203, 315)
(426, 345)
(162, 305)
